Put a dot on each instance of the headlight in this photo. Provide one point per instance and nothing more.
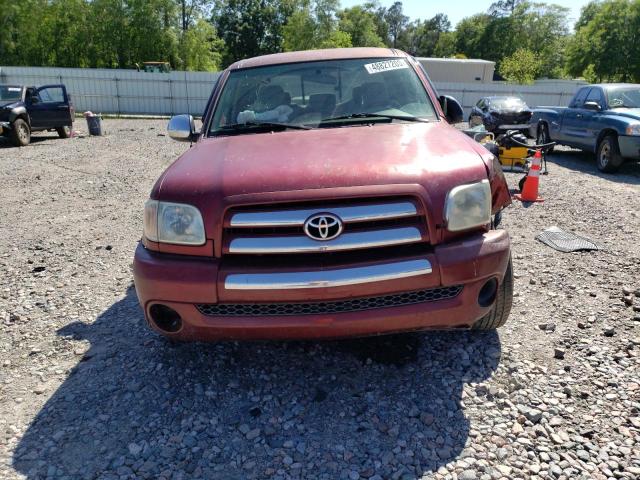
(468, 206)
(173, 223)
(633, 129)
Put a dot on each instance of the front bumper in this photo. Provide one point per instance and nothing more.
(185, 284)
(629, 147)
(523, 127)
(4, 127)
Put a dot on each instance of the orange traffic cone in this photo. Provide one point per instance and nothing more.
(530, 190)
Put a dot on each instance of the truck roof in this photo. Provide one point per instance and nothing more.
(317, 55)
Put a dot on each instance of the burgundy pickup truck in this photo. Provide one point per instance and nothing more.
(326, 195)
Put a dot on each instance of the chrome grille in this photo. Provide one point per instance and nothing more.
(319, 308)
(367, 224)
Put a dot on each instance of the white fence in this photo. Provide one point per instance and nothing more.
(141, 93)
(122, 91)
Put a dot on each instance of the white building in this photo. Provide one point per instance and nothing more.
(458, 70)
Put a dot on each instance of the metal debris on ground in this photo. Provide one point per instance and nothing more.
(566, 241)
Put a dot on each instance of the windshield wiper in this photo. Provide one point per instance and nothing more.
(250, 126)
(408, 118)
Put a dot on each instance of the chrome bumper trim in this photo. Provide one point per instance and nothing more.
(327, 278)
(297, 217)
(346, 241)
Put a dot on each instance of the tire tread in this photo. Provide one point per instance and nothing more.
(499, 314)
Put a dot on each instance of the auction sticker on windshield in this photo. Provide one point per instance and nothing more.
(385, 66)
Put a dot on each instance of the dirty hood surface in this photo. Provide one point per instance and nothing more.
(433, 155)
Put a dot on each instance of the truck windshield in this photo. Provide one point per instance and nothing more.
(624, 97)
(10, 93)
(322, 94)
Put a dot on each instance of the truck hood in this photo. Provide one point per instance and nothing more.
(633, 113)
(222, 171)
(9, 104)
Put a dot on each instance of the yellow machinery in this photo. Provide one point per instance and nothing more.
(513, 158)
(510, 151)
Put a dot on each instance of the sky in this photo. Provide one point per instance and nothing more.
(456, 10)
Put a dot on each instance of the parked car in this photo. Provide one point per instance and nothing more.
(326, 195)
(499, 114)
(29, 109)
(603, 119)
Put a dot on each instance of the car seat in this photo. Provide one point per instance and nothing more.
(271, 96)
(323, 103)
(374, 96)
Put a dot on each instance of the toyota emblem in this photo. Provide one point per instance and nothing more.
(323, 226)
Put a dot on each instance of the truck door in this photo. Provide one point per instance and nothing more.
(48, 107)
(573, 129)
(592, 118)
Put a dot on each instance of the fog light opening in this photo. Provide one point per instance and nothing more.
(487, 294)
(165, 318)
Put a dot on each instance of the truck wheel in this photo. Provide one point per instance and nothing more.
(20, 133)
(499, 314)
(64, 132)
(608, 157)
(543, 137)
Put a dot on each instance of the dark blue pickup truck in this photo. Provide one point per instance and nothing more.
(29, 109)
(603, 119)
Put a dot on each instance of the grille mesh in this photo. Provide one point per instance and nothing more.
(343, 306)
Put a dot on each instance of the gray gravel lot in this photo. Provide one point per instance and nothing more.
(86, 391)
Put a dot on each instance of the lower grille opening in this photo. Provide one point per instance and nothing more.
(318, 308)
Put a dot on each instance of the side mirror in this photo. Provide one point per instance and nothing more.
(182, 128)
(595, 106)
(33, 100)
(452, 109)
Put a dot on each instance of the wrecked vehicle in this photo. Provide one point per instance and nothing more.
(327, 195)
(500, 114)
(24, 110)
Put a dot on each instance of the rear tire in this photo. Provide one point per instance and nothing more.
(499, 313)
(608, 158)
(20, 133)
(64, 132)
(543, 137)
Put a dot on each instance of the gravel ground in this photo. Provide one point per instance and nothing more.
(86, 391)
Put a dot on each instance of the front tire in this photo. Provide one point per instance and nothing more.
(608, 158)
(64, 132)
(20, 133)
(499, 313)
(543, 137)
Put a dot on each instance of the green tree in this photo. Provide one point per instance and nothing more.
(538, 27)
(446, 46)
(64, 30)
(420, 38)
(521, 67)
(19, 44)
(314, 24)
(360, 24)
(471, 36)
(605, 45)
(201, 48)
(504, 7)
(251, 27)
(396, 21)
